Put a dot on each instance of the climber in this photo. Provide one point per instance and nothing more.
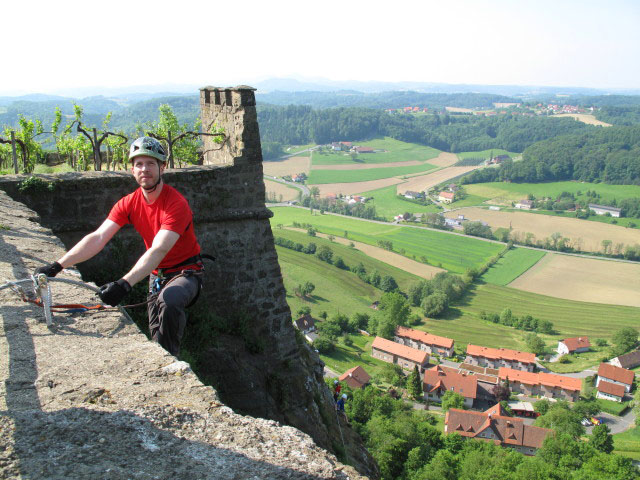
(340, 404)
(163, 218)
(336, 390)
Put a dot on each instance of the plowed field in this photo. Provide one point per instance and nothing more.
(289, 166)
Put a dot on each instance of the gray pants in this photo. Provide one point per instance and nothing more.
(167, 317)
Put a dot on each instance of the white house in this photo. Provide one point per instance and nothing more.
(610, 391)
(604, 209)
(615, 375)
(574, 345)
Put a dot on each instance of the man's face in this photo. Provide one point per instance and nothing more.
(147, 171)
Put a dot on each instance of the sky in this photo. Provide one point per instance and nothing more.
(61, 45)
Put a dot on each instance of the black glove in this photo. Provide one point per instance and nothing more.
(113, 293)
(50, 270)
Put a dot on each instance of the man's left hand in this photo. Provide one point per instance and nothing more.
(113, 293)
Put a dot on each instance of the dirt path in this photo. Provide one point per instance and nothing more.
(390, 258)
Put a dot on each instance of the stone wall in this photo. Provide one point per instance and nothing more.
(278, 376)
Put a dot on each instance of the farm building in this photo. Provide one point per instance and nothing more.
(523, 409)
(547, 385)
(616, 375)
(355, 377)
(413, 195)
(432, 344)
(574, 345)
(359, 149)
(393, 352)
(500, 357)
(439, 380)
(446, 197)
(496, 426)
(610, 391)
(499, 159)
(628, 360)
(524, 204)
(603, 210)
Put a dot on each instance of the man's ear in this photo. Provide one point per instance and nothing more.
(162, 166)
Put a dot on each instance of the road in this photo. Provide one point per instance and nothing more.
(299, 186)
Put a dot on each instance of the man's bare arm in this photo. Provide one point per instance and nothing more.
(162, 243)
(90, 245)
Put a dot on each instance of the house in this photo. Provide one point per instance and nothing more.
(346, 144)
(452, 222)
(487, 380)
(306, 323)
(335, 146)
(453, 187)
(439, 380)
(432, 344)
(355, 377)
(612, 374)
(547, 385)
(413, 195)
(610, 391)
(496, 426)
(446, 197)
(628, 360)
(524, 204)
(574, 345)
(393, 352)
(603, 210)
(359, 149)
(499, 159)
(500, 357)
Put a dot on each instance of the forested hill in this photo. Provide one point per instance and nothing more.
(610, 155)
(456, 133)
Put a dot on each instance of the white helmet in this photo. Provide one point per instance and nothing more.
(344, 395)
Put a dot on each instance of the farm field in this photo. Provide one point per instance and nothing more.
(570, 318)
(291, 149)
(445, 159)
(584, 118)
(451, 252)
(424, 182)
(513, 264)
(356, 187)
(363, 175)
(278, 189)
(288, 166)
(354, 256)
(505, 193)
(583, 279)
(585, 235)
(396, 151)
(366, 166)
(388, 204)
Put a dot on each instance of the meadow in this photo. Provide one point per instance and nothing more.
(455, 253)
(396, 151)
(364, 175)
(628, 443)
(486, 154)
(513, 264)
(388, 204)
(501, 192)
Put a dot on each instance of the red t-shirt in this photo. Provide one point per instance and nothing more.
(170, 211)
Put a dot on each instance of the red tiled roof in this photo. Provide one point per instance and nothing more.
(574, 344)
(500, 353)
(448, 379)
(449, 195)
(618, 374)
(402, 351)
(424, 337)
(355, 377)
(546, 379)
(611, 388)
(508, 430)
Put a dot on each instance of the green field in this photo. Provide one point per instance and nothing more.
(628, 443)
(569, 318)
(578, 362)
(486, 154)
(388, 204)
(291, 149)
(346, 357)
(396, 151)
(468, 201)
(317, 177)
(453, 252)
(350, 256)
(518, 191)
(513, 264)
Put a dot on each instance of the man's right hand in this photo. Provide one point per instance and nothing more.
(50, 270)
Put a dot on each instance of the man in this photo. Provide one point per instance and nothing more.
(172, 260)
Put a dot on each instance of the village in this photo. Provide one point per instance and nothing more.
(480, 379)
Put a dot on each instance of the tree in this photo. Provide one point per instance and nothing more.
(434, 304)
(477, 229)
(452, 399)
(601, 438)
(624, 340)
(535, 344)
(388, 284)
(95, 138)
(325, 254)
(304, 310)
(414, 384)
(324, 345)
(501, 392)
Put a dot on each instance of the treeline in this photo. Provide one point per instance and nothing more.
(619, 115)
(610, 155)
(526, 322)
(360, 210)
(299, 125)
(382, 100)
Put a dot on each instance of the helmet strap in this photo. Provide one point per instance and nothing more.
(152, 189)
